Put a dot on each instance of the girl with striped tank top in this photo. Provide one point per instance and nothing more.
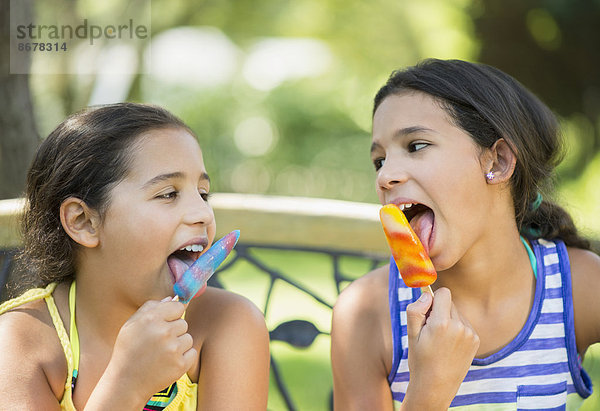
(468, 153)
(116, 197)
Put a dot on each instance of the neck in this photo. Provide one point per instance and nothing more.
(490, 270)
(98, 304)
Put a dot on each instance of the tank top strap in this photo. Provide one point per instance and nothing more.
(27, 297)
(67, 399)
(73, 335)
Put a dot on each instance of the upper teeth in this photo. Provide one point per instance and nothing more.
(406, 206)
(194, 247)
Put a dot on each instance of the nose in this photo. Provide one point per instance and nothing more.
(390, 175)
(198, 211)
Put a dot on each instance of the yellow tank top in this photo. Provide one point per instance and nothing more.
(181, 395)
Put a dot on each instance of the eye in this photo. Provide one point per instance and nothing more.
(416, 146)
(204, 192)
(171, 195)
(378, 163)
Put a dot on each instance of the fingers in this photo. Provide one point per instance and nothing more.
(466, 329)
(442, 308)
(179, 327)
(442, 305)
(190, 357)
(416, 314)
(454, 314)
(171, 310)
(185, 342)
(445, 315)
(185, 305)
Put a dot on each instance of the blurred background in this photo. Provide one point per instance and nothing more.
(279, 92)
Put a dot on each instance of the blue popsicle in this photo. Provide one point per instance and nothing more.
(198, 273)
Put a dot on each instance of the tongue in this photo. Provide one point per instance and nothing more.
(178, 266)
(422, 224)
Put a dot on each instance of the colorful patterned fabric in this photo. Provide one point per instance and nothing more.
(160, 400)
(539, 369)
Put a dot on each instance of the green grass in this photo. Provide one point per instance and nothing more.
(307, 375)
(591, 363)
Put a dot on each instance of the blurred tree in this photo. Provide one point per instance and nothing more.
(19, 137)
(321, 122)
(551, 46)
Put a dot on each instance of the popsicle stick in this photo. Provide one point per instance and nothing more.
(427, 290)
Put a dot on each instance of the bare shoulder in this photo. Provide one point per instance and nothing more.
(584, 262)
(218, 310)
(230, 334)
(361, 318)
(585, 275)
(22, 327)
(31, 350)
(366, 296)
(361, 343)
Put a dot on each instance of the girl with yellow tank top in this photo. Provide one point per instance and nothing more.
(116, 198)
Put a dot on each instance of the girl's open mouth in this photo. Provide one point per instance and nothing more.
(180, 261)
(421, 219)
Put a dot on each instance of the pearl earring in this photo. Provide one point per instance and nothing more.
(490, 176)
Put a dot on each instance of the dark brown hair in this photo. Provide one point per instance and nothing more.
(84, 157)
(488, 104)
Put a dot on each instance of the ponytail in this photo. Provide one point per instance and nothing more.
(548, 220)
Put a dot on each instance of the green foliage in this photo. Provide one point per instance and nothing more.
(321, 121)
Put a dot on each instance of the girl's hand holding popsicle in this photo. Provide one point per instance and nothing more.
(152, 349)
(442, 345)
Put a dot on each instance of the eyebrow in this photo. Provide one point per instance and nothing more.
(406, 131)
(168, 176)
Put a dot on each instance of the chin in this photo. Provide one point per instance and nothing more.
(441, 262)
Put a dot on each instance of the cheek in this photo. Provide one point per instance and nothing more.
(378, 190)
(141, 230)
(379, 194)
(467, 202)
(211, 231)
(464, 178)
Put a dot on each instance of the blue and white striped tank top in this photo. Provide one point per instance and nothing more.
(539, 369)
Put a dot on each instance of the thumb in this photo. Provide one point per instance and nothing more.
(416, 314)
(185, 305)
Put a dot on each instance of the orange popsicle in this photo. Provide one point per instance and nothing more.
(411, 258)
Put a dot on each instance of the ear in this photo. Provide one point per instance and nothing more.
(80, 222)
(501, 161)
